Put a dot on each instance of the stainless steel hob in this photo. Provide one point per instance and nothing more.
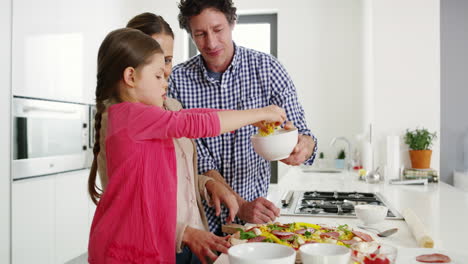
(331, 204)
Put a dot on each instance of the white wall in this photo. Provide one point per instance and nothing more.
(454, 93)
(5, 95)
(406, 76)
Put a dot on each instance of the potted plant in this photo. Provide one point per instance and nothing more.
(340, 159)
(420, 142)
(321, 160)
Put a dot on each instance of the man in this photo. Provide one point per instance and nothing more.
(227, 76)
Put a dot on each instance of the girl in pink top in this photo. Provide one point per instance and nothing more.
(135, 218)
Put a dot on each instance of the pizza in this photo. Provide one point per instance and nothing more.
(297, 234)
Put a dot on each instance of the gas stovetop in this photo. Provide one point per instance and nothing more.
(330, 204)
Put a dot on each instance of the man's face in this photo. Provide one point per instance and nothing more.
(212, 34)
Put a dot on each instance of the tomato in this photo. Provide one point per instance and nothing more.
(376, 261)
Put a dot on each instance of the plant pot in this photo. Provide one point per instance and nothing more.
(339, 163)
(420, 159)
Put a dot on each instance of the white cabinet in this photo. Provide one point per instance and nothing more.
(50, 218)
(71, 217)
(33, 221)
(55, 46)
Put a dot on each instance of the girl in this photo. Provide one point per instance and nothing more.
(135, 219)
(192, 227)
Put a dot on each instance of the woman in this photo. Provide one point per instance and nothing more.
(193, 240)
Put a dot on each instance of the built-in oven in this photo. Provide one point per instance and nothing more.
(49, 137)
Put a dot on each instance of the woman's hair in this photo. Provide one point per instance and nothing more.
(150, 24)
(120, 49)
(189, 8)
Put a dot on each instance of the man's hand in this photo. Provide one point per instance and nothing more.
(203, 243)
(220, 194)
(258, 211)
(303, 149)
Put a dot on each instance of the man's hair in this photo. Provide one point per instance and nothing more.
(189, 8)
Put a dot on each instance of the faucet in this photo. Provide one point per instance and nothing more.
(348, 159)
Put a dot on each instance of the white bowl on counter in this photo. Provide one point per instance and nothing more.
(276, 146)
(371, 214)
(261, 253)
(323, 253)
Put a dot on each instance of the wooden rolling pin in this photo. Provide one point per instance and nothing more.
(417, 228)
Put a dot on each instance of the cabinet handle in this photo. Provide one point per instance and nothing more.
(47, 109)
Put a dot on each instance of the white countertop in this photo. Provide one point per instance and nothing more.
(442, 208)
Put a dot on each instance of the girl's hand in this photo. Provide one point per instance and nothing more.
(203, 243)
(274, 114)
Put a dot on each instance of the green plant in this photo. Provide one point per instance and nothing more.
(419, 139)
(341, 154)
(321, 155)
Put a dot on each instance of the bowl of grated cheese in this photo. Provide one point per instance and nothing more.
(275, 145)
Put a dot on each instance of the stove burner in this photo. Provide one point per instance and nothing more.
(356, 195)
(306, 202)
(309, 210)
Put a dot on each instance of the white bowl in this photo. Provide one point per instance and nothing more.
(277, 146)
(321, 253)
(371, 214)
(261, 253)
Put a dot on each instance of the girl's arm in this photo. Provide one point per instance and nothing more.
(149, 122)
(232, 120)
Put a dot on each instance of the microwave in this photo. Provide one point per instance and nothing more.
(49, 137)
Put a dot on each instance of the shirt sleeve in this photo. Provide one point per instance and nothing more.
(150, 122)
(284, 94)
(202, 180)
(205, 160)
(180, 229)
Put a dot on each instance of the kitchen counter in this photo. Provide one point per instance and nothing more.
(442, 208)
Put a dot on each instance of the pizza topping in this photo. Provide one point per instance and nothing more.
(305, 230)
(247, 234)
(349, 242)
(257, 239)
(334, 235)
(235, 241)
(363, 236)
(434, 258)
(282, 235)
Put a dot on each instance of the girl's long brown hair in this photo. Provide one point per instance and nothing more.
(120, 49)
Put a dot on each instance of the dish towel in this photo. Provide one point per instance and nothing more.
(417, 229)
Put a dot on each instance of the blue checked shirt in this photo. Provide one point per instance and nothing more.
(254, 79)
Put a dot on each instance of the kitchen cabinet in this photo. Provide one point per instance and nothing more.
(55, 57)
(50, 218)
(47, 59)
(71, 217)
(33, 220)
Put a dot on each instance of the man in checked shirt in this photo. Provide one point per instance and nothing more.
(228, 76)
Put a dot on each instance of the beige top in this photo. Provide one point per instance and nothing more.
(190, 210)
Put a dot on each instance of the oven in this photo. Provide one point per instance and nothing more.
(48, 137)
(331, 204)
